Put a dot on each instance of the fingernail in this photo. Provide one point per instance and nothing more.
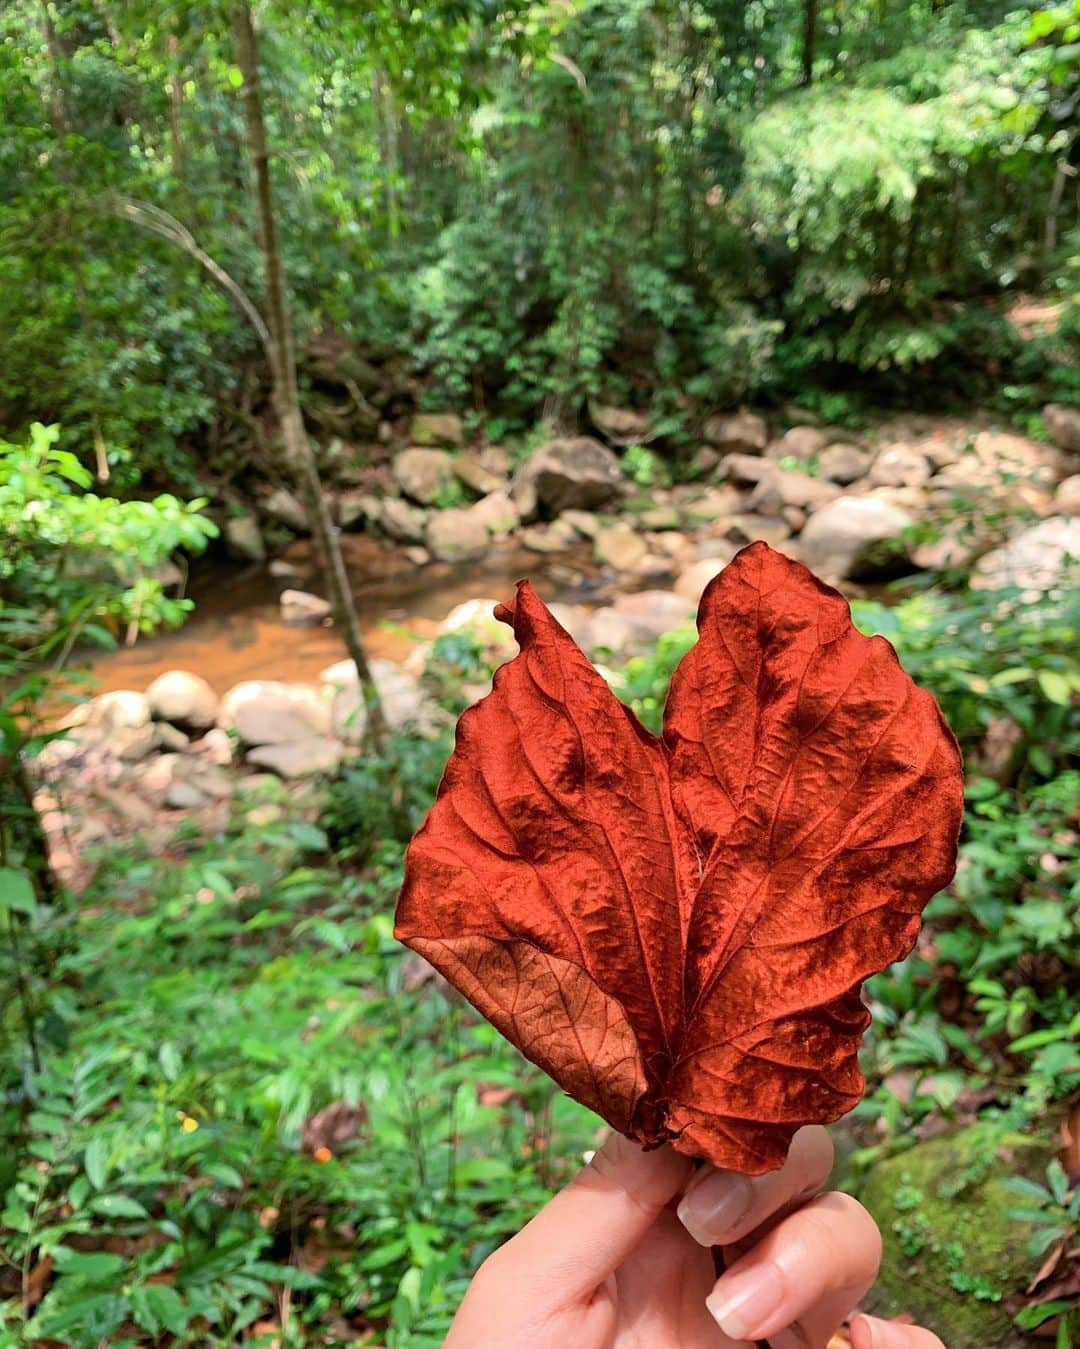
(741, 1303)
(711, 1210)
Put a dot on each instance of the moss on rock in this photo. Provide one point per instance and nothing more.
(952, 1254)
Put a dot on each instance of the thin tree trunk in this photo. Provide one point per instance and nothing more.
(286, 393)
(61, 125)
(810, 20)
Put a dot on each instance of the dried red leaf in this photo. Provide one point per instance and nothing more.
(676, 929)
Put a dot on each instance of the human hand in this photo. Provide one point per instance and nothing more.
(621, 1259)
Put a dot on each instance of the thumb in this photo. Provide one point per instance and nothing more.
(592, 1226)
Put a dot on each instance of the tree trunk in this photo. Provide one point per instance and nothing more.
(286, 394)
(810, 18)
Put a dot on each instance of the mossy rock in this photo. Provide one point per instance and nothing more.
(952, 1254)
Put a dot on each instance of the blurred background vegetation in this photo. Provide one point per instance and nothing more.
(253, 255)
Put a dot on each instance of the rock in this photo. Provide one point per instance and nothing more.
(496, 459)
(856, 538)
(714, 503)
(354, 507)
(170, 738)
(1063, 426)
(496, 512)
(801, 442)
(737, 433)
(419, 557)
(584, 522)
(437, 428)
(401, 521)
(795, 517)
(705, 460)
(747, 529)
(695, 578)
(281, 569)
(1067, 496)
(553, 538)
(423, 474)
(654, 612)
(301, 608)
(404, 702)
(1038, 558)
(788, 487)
(183, 698)
(299, 758)
(573, 473)
(287, 508)
(843, 463)
(456, 535)
(215, 747)
(243, 540)
(659, 518)
(267, 712)
(477, 618)
(623, 426)
(1007, 454)
(131, 743)
(619, 546)
(184, 796)
(899, 466)
(744, 468)
(954, 545)
(122, 709)
(942, 1207)
(470, 470)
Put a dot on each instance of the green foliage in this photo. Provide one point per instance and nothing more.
(201, 1015)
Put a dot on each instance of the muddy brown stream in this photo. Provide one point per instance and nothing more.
(236, 631)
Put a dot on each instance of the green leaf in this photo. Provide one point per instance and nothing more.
(235, 77)
(170, 1061)
(118, 1206)
(158, 1306)
(16, 891)
(92, 1265)
(1056, 686)
(95, 1162)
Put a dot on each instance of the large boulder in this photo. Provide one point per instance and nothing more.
(404, 702)
(622, 426)
(1067, 496)
(183, 698)
(300, 608)
(1063, 425)
(497, 512)
(575, 472)
(287, 508)
(299, 758)
(619, 546)
(737, 433)
(243, 539)
(456, 535)
(267, 712)
(954, 1251)
(899, 466)
(744, 468)
(400, 520)
(843, 463)
(788, 487)
(856, 538)
(1038, 558)
(697, 576)
(801, 442)
(437, 428)
(709, 504)
(121, 709)
(423, 474)
(474, 473)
